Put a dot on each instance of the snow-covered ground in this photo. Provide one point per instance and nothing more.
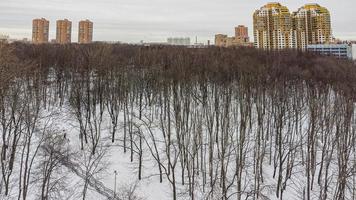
(224, 149)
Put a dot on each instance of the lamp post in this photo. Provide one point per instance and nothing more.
(115, 172)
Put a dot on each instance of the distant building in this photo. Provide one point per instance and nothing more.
(23, 40)
(353, 49)
(275, 27)
(40, 31)
(178, 41)
(272, 25)
(241, 33)
(338, 50)
(7, 39)
(220, 40)
(64, 31)
(312, 25)
(241, 38)
(4, 38)
(85, 32)
(198, 46)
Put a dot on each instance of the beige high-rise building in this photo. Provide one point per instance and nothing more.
(64, 31)
(85, 32)
(276, 28)
(312, 25)
(272, 25)
(40, 30)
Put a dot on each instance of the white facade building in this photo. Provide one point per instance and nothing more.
(353, 49)
(179, 41)
(338, 50)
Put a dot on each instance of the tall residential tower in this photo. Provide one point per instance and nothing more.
(276, 28)
(40, 29)
(241, 33)
(64, 31)
(85, 32)
(272, 26)
(312, 25)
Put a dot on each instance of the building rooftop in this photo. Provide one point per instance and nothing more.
(327, 45)
(273, 4)
(277, 6)
(315, 6)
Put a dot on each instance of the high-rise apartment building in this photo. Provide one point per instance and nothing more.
(272, 26)
(241, 33)
(276, 28)
(40, 30)
(312, 25)
(85, 32)
(64, 31)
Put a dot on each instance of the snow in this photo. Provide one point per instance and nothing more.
(114, 159)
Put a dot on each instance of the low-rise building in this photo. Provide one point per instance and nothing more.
(337, 50)
(240, 39)
(179, 41)
(222, 40)
(23, 40)
(353, 49)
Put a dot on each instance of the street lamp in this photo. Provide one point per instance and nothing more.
(115, 172)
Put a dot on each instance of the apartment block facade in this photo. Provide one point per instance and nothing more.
(272, 26)
(241, 33)
(64, 31)
(40, 31)
(241, 38)
(276, 28)
(85, 32)
(337, 50)
(312, 25)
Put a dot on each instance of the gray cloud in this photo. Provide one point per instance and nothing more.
(154, 20)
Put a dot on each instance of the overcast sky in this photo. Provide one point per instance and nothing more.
(155, 20)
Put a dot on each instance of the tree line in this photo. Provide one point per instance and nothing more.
(216, 123)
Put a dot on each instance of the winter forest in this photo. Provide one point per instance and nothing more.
(126, 122)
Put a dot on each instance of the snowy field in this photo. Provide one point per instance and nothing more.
(110, 157)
